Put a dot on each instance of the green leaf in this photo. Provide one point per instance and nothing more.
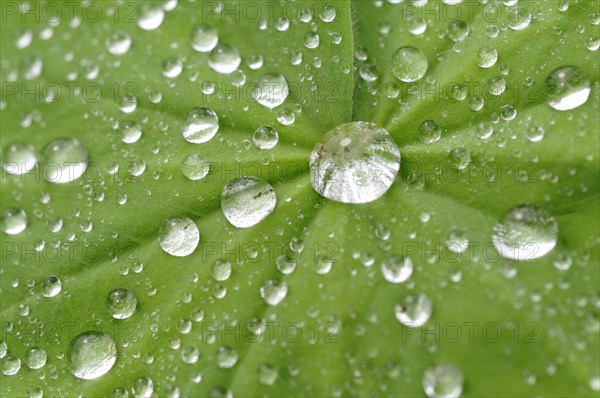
(513, 328)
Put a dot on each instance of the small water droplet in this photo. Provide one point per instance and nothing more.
(271, 90)
(414, 311)
(273, 291)
(443, 381)
(51, 286)
(19, 158)
(397, 269)
(195, 167)
(65, 160)
(204, 38)
(224, 59)
(265, 137)
(567, 88)
(121, 303)
(409, 64)
(13, 221)
(200, 125)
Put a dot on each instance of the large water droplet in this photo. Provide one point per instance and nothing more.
(130, 131)
(567, 88)
(224, 59)
(525, 233)
(151, 16)
(246, 201)
(19, 158)
(10, 365)
(354, 163)
(271, 90)
(227, 357)
(13, 221)
(409, 64)
(36, 358)
(414, 311)
(91, 355)
(179, 236)
(443, 381)
(121, 303)
(65, 160)
(200, 125)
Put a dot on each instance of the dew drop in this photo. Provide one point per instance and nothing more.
(354, 163)
(409, 64)
(443, 381)
(131, 132)
(567, 88)
(221, 270)
(19, 158)
(65, 160)
(195, 167)
(397, 269)
(487, 57)
(118, 43)
(36, 358)
(246, 201)
(273, 291)
(13, 221)
(121, 303)
(204, 38)
(172, 67)
(227, 357)
(265, 137)
(179, 236)
(91, 355)
(151, 16)
(10, 365)
(51, 286)
(200, 125)
(525, 233)
(414, 311)
(271, 90)
(224, 59)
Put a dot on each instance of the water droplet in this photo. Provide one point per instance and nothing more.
(460, 158)
(195, 167)
(118, 43)
(172, 67)
(273, 291)
(369, 72)
(409, 64)
(271, 90)
(414, 311)
(3, 349)
(496, 85)
(19, 158)
(457, 30)
(13, 221)
(285, 265)
(519, 18)
(567, 88)
(397, 269)
(525, 233)
(323, 265)
(91, 355)
(121, 303)
(179, 236)
(430, 131)
(221, 270)
(227, 357)
(246, 201)
(10, 365)
(535, 133)
(457, 241)
(443, 381)
(354, 163)
(65, 160)
(143, 387)
(200, 125)
(224, 59)
(487, 57)
(128, 103)
(327, 13)
(51, 286)
(36, 358)
(151, 16)
(267, 374)
(265, 137)
(286, 117)
(130, 132)
(563, 262)
(311, 40)
(204, 38)
(190, 355)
